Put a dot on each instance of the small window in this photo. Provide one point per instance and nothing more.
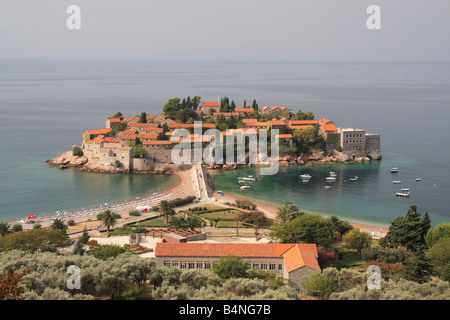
(191, 265)
(199, 265)
(175, 264)
(183, 265)
(167, 263)
(263, 266)
(207, 265)
(280, 266)
(272, 266)
(256, 266)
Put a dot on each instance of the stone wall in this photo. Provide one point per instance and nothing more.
(373, 146)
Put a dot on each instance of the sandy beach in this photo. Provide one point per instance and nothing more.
(271, 212)
(88, 217)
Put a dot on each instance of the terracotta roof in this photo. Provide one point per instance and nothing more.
(128, 137)
(147, 136)
(150, 130)
(114, 120)
(329, 127)
(294, 255)
(125, 148)
(323, 120)
(273, 108)
(229, 132)
(127, 132)
(161, 115)
(277, 123)
(244, 109)
(249, 120)
(258, 124)
(303, 122)
(264, 108)
(285, 136)
(99, 131)
(283, 108)
(112, 140)
(210, 104)
(191, 125)
(156, 142)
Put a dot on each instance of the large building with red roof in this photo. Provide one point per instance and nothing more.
(290, 261)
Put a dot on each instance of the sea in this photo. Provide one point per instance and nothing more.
(46, 105)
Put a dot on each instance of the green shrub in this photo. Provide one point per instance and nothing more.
(71, 222)
(77, 152)
(17, 227)
(134, 213)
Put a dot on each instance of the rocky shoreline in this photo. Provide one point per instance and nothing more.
(304, 160)
(68, 160)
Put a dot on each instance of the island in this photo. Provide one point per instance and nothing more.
(144, 143)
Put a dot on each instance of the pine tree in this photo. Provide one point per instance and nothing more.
(143, 118)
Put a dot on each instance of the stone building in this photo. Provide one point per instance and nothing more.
(290, 261)
(357, 143)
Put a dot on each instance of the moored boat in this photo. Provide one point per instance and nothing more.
(394, 170)
(396, 182)
(402, 194)
(354, 179)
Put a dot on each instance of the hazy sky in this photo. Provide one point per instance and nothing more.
(305, 30)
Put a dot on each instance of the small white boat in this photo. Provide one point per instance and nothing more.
(404, 189)
(330, 178)
(418, 179)
(402, 194)
(354, 179)
(327, 187)
(248, 178)
(333, 174)
(305, 176)
(396, 182)
(394, 170)
(245, 186)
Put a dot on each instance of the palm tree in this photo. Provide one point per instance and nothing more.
(166, 210)
(108, 218)
(193, 223)
(5, 229)
(59, 225)
(178, 223)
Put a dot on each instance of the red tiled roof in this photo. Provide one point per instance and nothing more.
(297, 127)
(258, 124)
(128, 137)
(147, 136)
(273, 108)
(303, 122)
(192, 125)
(210, 104)
(277, 123)
(294, 255)
(156, 142)
(114, 120)
(99, 131)
(264, 108)
(329, 127)
(285, 136)
(244, 109)
(249, 120)
(112, 140)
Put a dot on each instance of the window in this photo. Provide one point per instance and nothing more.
(207, 265)
(175, 264)
(191, 265)
(263, 266)
(166, 263)
(280, 266)
(199, 265)
(272, 266)
(256, 266)
(183, 265)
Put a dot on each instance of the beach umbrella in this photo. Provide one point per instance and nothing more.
(31, 216)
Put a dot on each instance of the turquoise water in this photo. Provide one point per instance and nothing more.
(371, 199)
(46, 105)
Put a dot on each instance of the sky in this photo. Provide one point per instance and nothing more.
(256, 30)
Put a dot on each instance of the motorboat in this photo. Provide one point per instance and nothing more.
(404, 189)
(396, 182)
(330, 178)
(394, 170)
(402, 194)
(418, 179)
(354, 179)
(249, 178)
(246, 186)
(333, 174)
(305, 176)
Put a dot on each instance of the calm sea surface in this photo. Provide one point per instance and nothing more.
(46, 105)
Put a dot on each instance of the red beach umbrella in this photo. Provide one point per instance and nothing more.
(31, 216)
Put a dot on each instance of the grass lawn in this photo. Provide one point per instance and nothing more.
(350, 258)
(156, 222)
